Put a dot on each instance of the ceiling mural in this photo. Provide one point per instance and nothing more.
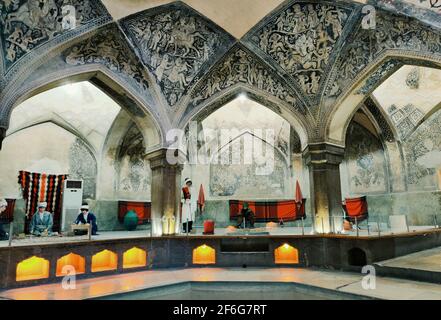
(26, 25)
(392, 32)
(301, 40)
(176, 43)
(107, 47)
(304, 54)
(385, 70)
(240, 66)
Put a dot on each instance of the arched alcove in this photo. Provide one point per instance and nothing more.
(245, 150)
(286, 254)
(134, 173)
(204, 254)
(134, 258)
(68, 262)
(89, 112)
(357, 257)
(371, 79)
(403, 132)
(232, 144)
(365, 165)
(33, 268)
(105, 260)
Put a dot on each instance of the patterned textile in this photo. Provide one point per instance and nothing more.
(142, 209)
(201, 199)
(41, 187)
(265, 211)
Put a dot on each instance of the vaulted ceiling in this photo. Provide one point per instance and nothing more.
(177, 57)
(235, 16)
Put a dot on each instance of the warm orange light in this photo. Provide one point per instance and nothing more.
(77, 262)
(134, 258)
(286, 254)
(32, 269)
(271, 225)
(204, 255)
(231, 228)
(104, 261)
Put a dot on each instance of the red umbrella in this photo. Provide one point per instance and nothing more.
(299, 196)
(201, 199)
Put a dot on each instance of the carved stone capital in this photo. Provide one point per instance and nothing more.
(166, 158)
(323, 154)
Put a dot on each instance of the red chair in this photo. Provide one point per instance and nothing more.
(356, 209)
(208, 227)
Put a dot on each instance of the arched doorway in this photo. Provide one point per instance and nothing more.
(393, 148)
(254, 155)
(65, 131)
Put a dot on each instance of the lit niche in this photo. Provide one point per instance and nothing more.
(286, 254)
(104, 261)
(70, 262)
(134, 258)
(32, 269)
(204, 255)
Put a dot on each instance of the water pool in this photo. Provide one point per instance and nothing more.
(235, 291)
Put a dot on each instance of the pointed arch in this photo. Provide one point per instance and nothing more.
(121, 92)
(337, 119)
(202, 111)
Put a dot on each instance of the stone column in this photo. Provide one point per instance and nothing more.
(166, 192)
(324, 161)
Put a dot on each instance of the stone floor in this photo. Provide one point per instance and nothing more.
(428, 260)
(109, 235)
(386, 288)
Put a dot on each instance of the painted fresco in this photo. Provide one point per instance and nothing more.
(423, 155)
(241, 180)
(83, 166)
(133, 170)
(365, 161)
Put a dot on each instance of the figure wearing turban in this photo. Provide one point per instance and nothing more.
(87, 217)
(41, 222)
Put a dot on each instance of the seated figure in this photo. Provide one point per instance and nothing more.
(86, 217)
(245, 214)
(3, 234)
(41, 222)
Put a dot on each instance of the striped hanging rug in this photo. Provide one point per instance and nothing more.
(41, 187)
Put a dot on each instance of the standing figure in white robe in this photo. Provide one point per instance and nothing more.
(188, 206)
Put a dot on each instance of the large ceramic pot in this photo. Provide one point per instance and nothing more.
(131, 220)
